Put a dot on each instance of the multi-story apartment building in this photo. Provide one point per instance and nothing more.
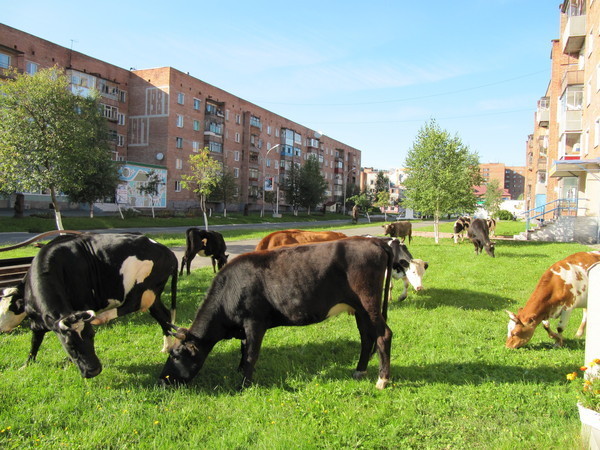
(511, 178)
(159, 117)
(563, 153)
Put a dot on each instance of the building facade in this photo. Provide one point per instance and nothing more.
(563, 152)
(159, 117)
(511, 178)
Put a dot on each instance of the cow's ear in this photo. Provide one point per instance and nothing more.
(204, 241)
(180, 333)
(426, 265)
(513, 317)
(68, 322)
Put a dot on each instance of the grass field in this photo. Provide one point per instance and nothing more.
(454, 385)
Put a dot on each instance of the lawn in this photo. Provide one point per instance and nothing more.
(454, 384)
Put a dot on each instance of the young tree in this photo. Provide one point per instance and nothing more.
(291, 186)
(492, 198)
(151, 187)
(382, 182)
(383, 201)
(101, 182)
(225, 188)
(441, 174)
(363, 202)
(49, 138)
(312, 184)
(205, 173)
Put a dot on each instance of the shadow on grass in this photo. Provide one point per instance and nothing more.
(432, 298)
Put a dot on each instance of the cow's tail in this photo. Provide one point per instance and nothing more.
(174, 294)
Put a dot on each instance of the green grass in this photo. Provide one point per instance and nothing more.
(503, 227)
(454, 384)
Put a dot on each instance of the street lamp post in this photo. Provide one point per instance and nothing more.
(262, 211)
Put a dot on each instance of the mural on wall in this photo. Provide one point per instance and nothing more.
(135, 176)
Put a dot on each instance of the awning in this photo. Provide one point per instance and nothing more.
(574, 167)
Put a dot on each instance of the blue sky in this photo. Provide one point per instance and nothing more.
(369, 74)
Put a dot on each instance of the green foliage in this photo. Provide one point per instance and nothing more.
(441, 173)
(382, 182)
(205, 175)
(492, 198)
(503, 214)
(454, 385)
(225, 188)
(291, 186)
(363, 201)
(99, 183)
(312, 185)
(383, 199)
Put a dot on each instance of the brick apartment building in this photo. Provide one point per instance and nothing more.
(563, 152)
(159, 117)
(511, 178)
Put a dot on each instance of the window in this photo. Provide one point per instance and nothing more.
(236, 172)
(4, 61)
(238, 119)
(121, 118)
(216, 147)
(122, 96)
(177, 186)
(179, 121)
(196, 125)
(178, 163)
(181, 98)
(597, 132)
(179, 142)
(195, 146)
(120, 140)
(269, 130)
(236, 156)
(31, 68)
(197, 104)
(237, 137)
(227, 115)
(110, 112)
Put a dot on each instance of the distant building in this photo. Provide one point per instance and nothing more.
(511, 178)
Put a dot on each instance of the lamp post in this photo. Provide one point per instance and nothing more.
(262, 211)
(344, 186)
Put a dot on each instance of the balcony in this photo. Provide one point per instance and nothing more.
(574, 34)
(572, 78)
(542, 117)
(571, 122)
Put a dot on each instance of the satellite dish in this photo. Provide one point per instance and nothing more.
(160, 156)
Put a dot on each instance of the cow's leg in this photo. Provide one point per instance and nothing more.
(162, 315)
(558, 339)
(214, 263)
(244, 352)
(405, 291)
(183, 261)
(36, 341)
(384, 349)
(255, 333)
(367, 344)
(581, 328)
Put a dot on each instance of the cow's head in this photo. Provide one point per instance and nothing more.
(222, 260)
(12, 308)
(401, 257)
(186, 358)
(415, 273)
(76, 335)
(489, 249)
(387, 229)
(519, 331)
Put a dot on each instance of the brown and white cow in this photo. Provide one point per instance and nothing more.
(295, 237)
(561, 288)
(491, 226)
(400, 229)
(461, 226)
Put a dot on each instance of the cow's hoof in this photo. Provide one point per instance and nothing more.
(359, 374)
(382, 383)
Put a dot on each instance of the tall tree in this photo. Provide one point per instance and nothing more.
(382, 182)
(291, 186)
(50, 139)
(99, 183)
(441, 174)
(151, 187)
(492, 198)
(383, 201)
(225, 188)
(205, 173)
(312, 184)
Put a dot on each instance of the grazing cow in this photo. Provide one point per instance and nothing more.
(400, 229)
(12, 308)
(78, 281)
(461, 226)
(561, 288)
(204, 243)
(295, 237)
(491, 223)
(291, 285)
(479, 235)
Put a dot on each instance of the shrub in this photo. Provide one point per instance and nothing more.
(503, 214)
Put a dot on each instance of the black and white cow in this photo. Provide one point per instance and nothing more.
(204, 243)
(296, 285)
(461, 226)
(12, 308)
(78, 281)
(479, 236)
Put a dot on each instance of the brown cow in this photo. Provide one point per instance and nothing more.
(295, 237)
(561, 288)
(400, 229)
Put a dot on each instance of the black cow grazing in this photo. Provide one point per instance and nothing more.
(479, 236)
(78, 281)
(295, 285)
(461, 226)
(400, 229)
(204, 243)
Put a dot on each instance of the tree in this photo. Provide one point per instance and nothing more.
(225, 188)
(50, 139)
(441, 174)
(99, 183)
(312, 184)
(151, 187)
(291, 186)
(205, 173)
(492, 198)
(363, 202)
(382, 182)
(383, 201)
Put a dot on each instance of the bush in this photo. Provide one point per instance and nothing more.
(503, 214)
